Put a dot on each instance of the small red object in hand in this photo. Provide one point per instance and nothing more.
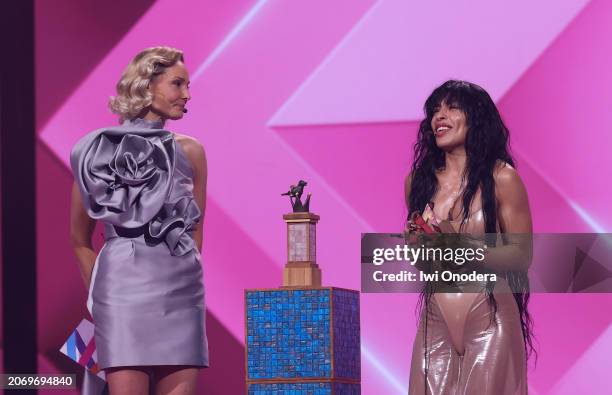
(418, 220)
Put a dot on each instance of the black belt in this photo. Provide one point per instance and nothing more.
(118, 231)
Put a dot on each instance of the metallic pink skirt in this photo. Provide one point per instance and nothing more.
(464, 352)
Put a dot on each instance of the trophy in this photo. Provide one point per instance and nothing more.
(301, 269)
(302, 338)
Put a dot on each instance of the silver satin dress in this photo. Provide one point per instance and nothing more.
(463, 354)
(147, 294)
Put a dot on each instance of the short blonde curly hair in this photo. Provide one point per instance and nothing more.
(133, 95)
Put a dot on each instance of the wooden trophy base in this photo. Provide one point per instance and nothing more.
(302, 275)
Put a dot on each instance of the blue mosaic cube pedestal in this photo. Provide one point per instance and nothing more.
(302, 341)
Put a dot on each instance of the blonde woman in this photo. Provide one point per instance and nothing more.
(148, 186)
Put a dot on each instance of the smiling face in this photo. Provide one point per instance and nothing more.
(170, 92)
(449, 125)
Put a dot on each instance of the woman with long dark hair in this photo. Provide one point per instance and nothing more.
(473, 342)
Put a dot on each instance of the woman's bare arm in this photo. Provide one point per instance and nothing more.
(515, 223)
(81, 229)
(195, 152)
(407, 190)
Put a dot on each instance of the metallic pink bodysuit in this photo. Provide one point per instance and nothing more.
(466, 354)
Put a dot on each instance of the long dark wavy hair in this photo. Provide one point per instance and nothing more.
(486, 145)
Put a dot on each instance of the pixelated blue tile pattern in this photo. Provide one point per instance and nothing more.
(346, 389)
(288, 334)
(311, 388)
(347, 346)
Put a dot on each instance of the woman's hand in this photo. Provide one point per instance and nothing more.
(413, 228)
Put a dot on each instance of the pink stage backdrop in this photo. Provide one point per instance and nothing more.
(332, 92)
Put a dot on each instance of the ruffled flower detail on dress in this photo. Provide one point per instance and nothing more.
(125, 177)
(175, 223)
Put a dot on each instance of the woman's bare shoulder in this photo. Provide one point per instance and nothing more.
(192, 148)
(504, 173)
(508, 183)
(184, 139)
(188, 143)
